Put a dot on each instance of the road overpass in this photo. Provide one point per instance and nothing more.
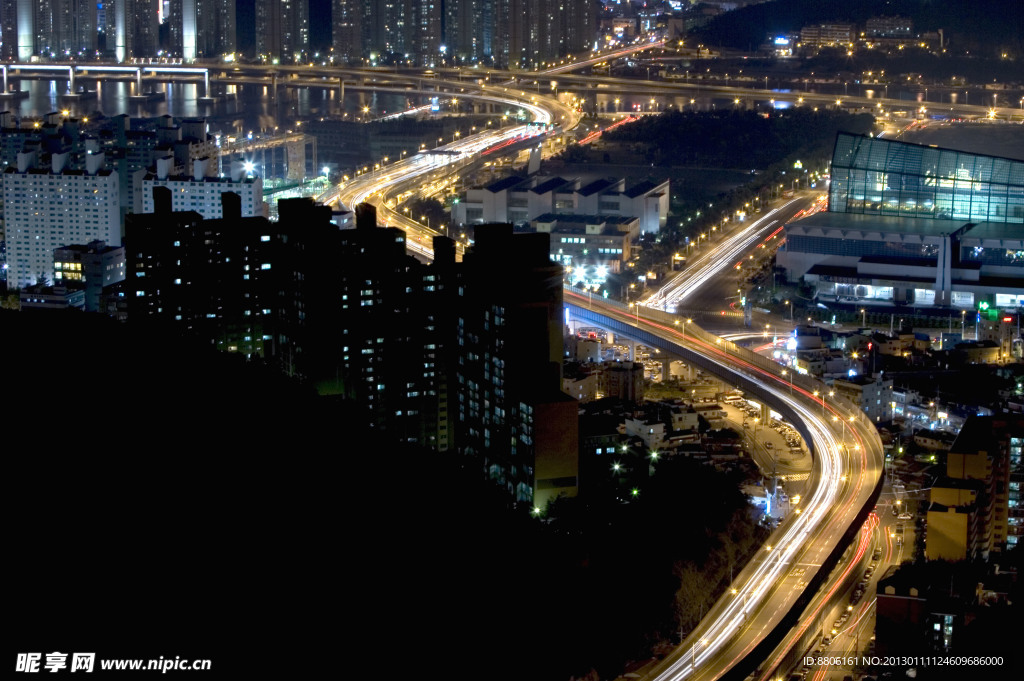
(764, 602)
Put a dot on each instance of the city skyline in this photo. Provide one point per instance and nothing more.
(673, 359)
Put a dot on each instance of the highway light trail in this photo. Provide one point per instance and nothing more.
(711, 262)
(716, 632)
(597, 133)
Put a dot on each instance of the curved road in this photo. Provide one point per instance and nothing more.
(843, 479)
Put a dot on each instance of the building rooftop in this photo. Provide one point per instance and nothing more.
(550, 185)
(585, 219)
(877, 224)
(505, 183)
(638, 189)
(596, 186)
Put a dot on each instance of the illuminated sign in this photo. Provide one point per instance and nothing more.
(781, 41)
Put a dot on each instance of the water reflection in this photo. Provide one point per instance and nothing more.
(236, 107)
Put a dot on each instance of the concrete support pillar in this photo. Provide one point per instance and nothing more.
(138, 81)
(71, 79)
(206, 83)
(5, 77)
(666, 368)
(632, 349)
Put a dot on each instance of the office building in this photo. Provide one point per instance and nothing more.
(49, 207)
(913, 225)
(282, 30)
(91, 268)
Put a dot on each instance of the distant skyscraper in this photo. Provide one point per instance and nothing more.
(282, 30)
(135, 28)
(202, 28)
(52, 28)
(431, 32)
(347, 29)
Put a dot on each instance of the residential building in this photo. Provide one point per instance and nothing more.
(828, 35)
(873, 395)
(201, 191)
(202, 28)
(282, 30)
(956, 518)
(623, 381)
(347, 30)
(509, 340)
(512, 33)
(988, 449)
(46, 208)
(889, 27)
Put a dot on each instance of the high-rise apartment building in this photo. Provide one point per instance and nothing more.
(508, 367)
(515, 33)
(282, 30)
(347, 30)
(202, 28)
(135, 28)
(988, 449)
(46, 208)
(52, 28)
(201, 190)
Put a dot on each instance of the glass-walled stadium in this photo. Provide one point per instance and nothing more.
(884, 177)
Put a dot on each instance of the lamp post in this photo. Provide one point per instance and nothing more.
(693, 653)
(863, 317)
(636, 307)
(786, 372)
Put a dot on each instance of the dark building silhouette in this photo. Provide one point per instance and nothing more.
(446, 355)
(508, 370)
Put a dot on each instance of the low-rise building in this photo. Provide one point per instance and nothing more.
(873, 395)
(581, 240)
(519, 200)
(90, 267)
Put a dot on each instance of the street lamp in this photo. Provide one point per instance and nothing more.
(786, 372)
(693, 653)
(637, 308)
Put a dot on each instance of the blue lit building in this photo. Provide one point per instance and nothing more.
(913, 225)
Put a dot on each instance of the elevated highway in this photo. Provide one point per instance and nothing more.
(764, 601)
